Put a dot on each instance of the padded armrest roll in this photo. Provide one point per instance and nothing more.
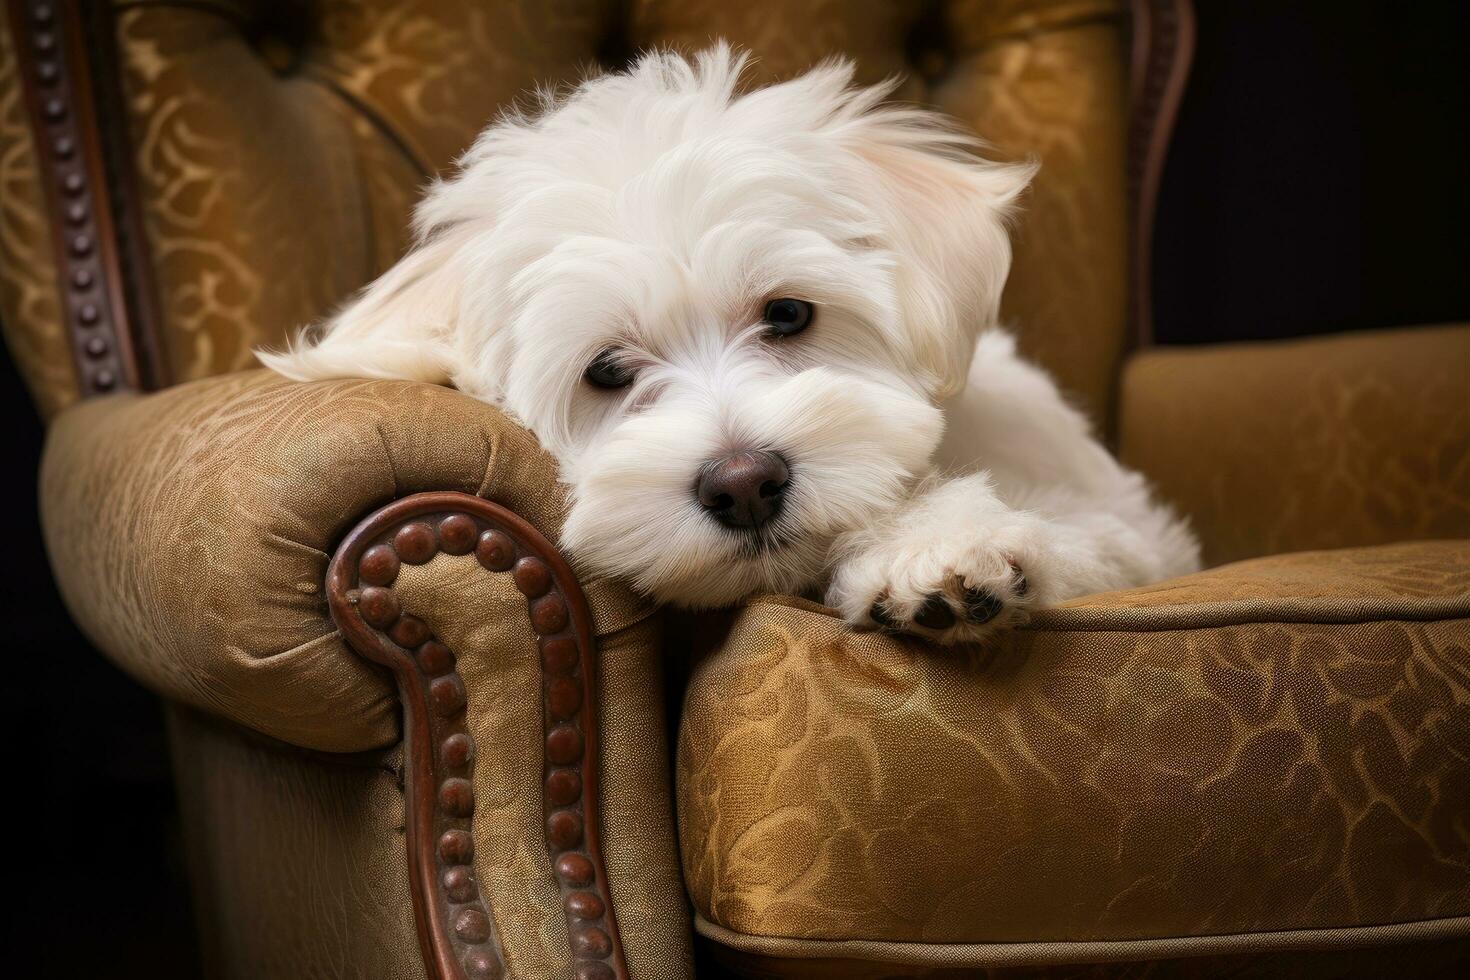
(190, 531)
(1334, 442)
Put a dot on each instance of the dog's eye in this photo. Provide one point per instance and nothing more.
(788, 316)
(607, 371)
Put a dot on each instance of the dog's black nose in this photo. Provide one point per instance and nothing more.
(744, 490)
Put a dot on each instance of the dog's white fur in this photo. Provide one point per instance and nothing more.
(657, 211)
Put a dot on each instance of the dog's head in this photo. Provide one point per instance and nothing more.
(729, 316)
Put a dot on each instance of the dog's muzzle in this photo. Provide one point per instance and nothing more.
(744, 490)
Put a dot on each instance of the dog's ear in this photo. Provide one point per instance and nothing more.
(945, 212)
(404, 325)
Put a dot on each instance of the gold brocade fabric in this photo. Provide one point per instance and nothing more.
(295, 859)
(30, 299)
(279, 148)
(1275, 745)
(482, 617)
(190, 532)
(1330, 442)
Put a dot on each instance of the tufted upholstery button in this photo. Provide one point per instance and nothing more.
(481, 964)
(931, 63)
(379, 566)
(435, 658)
(472, 925)
(409, 632)
(457, 797)
(563, 697)
(415, 543)
(595, 970)
(559, 654)
(378, 606)
(564, 787)
(457, 750)
(592, 941)
(585, 905)
(564, 829)
(548, 614)
(564, 745)
(456, 847)
(457, 534)
(447, 695)
(460, 884)
(575, 869)
(279, 55)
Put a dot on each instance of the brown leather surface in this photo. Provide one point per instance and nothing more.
(295, 858)
(1352, 440)
(190, 531)
(30, 303)
(1178, 773)
(279, 149)
(483, 617)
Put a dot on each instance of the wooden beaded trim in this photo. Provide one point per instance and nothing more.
(456, 931)
(1163, 48)
(103, 274)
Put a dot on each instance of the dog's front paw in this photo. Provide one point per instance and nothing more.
(958, 588)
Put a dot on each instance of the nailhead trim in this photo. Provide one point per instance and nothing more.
(64, 116)
(456, 927)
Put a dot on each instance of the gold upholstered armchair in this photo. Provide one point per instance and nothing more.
(410, 740)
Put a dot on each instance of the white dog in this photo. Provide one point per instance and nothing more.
(739, 322)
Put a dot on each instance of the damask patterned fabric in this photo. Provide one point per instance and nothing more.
(190, 532)
(30, 300)
(279, 152)
(1081, 781)
(332, 827)
(1325, 443)
(484, 617)
(1180, 761)
(1394, 955)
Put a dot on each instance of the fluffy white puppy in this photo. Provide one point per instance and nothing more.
(739, 322)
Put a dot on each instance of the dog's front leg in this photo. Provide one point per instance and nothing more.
(1051, 516)
(955, 561)
(952, 563)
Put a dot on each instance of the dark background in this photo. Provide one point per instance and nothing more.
(1319, 178)
(1319, 181)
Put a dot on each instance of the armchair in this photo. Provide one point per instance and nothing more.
(411, 740)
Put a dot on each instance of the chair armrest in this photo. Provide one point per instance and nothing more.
(1183, 769)
(1358, 439)
(193, 533)
(190, 532)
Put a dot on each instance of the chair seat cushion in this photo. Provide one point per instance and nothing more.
(1271, 755)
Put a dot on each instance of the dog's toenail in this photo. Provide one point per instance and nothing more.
(935, 614)
(982, 606)
(880, 616)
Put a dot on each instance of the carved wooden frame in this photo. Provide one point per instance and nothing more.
(1162, 51)
(455, 926)
(64, 54)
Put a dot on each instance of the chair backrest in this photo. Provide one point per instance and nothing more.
(183, 182)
